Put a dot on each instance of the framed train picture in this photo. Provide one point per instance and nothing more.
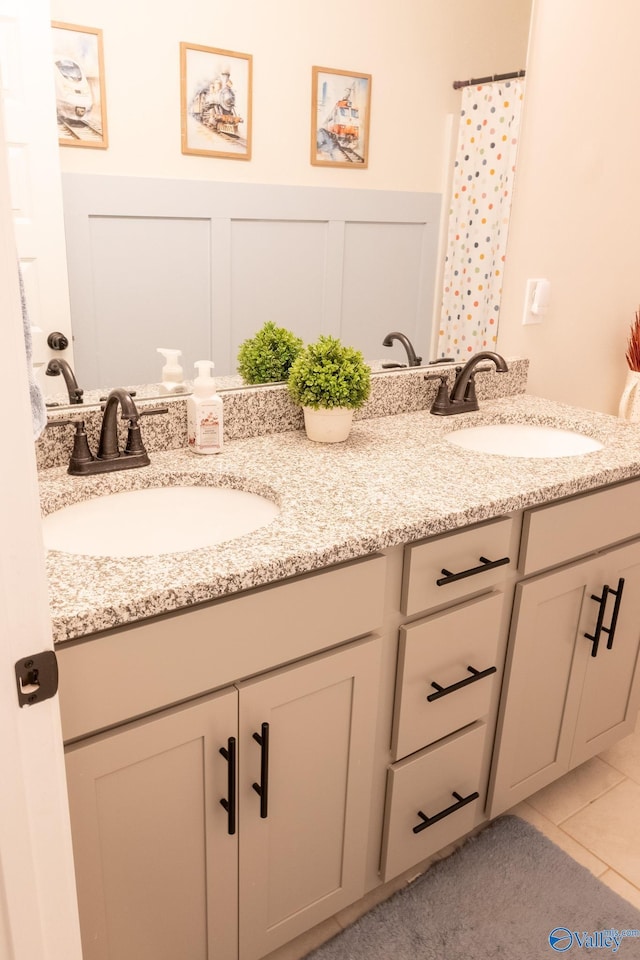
(78, 70)
(215, 102)
(340, 108)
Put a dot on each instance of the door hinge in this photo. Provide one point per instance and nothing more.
(37, 678)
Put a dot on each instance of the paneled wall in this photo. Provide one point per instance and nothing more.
(200, 266)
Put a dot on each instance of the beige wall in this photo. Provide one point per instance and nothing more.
(414, 49)
(576, 203)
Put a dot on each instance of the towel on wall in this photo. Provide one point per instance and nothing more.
(38, 409)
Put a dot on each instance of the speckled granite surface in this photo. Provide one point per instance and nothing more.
(255, 411)
(396, 479)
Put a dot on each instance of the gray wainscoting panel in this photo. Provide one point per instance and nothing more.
(200, 266)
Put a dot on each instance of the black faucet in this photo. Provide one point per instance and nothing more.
(463, 393)
(414, 361)
(110, 456)
(57, 367)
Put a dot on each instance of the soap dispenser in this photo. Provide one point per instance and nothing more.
(172, 376)
(204, 412)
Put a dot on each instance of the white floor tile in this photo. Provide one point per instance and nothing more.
(625, 756)
(608, 827)
(575, 790)
(560, 838)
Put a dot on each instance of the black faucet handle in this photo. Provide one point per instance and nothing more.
(441, 405)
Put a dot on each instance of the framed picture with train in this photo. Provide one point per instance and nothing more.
(78, 70)
(215, 102)
(340, 108)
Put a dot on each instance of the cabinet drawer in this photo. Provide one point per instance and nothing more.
(581, 525)
(454, 566)
(425, 784)
(138, 669)
(455, 650)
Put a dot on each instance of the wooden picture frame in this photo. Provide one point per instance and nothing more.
(340, 109)
(215, 102)
(81, 106)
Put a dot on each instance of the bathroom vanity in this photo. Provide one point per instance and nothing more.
(259, 734)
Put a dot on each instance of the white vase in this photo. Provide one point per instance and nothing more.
(328, 425)
(630, 400)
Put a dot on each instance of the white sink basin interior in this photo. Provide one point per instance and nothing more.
(157, 520)
(523, 440)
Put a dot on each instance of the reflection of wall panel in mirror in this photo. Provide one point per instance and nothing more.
(388, 285)
(277, 273)
(354, 263)
(149, 274)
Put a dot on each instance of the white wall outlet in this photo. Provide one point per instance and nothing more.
(536, 300)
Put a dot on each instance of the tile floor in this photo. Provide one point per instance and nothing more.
(592, 813)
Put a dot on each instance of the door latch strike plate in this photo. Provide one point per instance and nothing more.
(37, 678)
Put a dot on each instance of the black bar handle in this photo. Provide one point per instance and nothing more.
(475, 675)
(595, 639)
(460, 802)
(471, 572)
(611, 629)
(262, 788)
(229, 802)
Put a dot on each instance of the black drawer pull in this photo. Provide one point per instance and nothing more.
(262, 788)
(611, 629)
(460, 802)
(595, 639)
(471, 572)
(229, 802)
(475, 675)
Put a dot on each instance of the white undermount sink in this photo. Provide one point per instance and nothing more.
(523, 440)
(156, 520)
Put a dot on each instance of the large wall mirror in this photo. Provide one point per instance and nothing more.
(200, 265)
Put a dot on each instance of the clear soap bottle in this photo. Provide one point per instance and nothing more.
(204, 412)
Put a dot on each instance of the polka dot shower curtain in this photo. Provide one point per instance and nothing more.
(479, 217)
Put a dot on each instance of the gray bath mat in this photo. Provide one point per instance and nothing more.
(507, 894)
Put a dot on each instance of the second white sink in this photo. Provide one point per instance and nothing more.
(523, 440)
(156, 520)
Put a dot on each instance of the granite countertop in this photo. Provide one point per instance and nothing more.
(395, 480)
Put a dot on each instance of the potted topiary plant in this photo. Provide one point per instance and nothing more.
(329, 381)
(267, 357)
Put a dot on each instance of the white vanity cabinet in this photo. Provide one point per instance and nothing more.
(226, 825)
(572, 683)
(447, 688)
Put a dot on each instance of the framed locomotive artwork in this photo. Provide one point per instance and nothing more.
(215, 102)
(78, 69)
(340, 108)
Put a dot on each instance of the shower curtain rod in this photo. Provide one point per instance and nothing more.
(497, 76)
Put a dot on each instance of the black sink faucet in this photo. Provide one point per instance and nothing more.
(414, 361)
(59, 366)
(110, 457)
(463, 393)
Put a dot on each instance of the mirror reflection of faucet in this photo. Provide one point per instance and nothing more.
(413, 360)
(463, 393)
(59, 366)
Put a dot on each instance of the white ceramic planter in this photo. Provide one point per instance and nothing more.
(328, 425)
(630, 399)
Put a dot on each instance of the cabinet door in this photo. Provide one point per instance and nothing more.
(156, 867)
(306, 858)
(544, 674)
(611, 690)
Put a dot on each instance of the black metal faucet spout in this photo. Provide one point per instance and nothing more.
(58, 366)
(463, 393)
(414, 361)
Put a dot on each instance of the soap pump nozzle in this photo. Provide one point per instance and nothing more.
(204, 385)
(172, 375)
